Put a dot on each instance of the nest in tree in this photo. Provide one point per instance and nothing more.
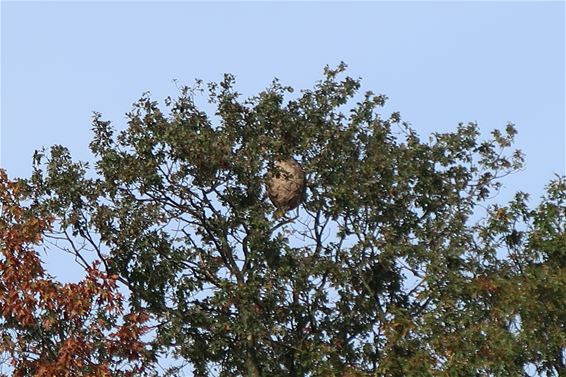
(286, 184)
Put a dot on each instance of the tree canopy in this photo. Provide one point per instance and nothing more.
(396, 261)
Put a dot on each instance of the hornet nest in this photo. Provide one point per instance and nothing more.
(286, 184)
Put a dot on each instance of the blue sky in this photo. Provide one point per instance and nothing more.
(440, 63)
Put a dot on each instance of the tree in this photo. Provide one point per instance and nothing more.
(387, 267)
(52, 329)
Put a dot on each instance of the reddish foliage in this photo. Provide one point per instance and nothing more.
(53, 329)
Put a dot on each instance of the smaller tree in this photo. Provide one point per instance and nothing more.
(53, 329)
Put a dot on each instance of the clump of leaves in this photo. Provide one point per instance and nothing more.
(53, 329)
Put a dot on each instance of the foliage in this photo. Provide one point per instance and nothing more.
(53, 329)
(385, 269)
